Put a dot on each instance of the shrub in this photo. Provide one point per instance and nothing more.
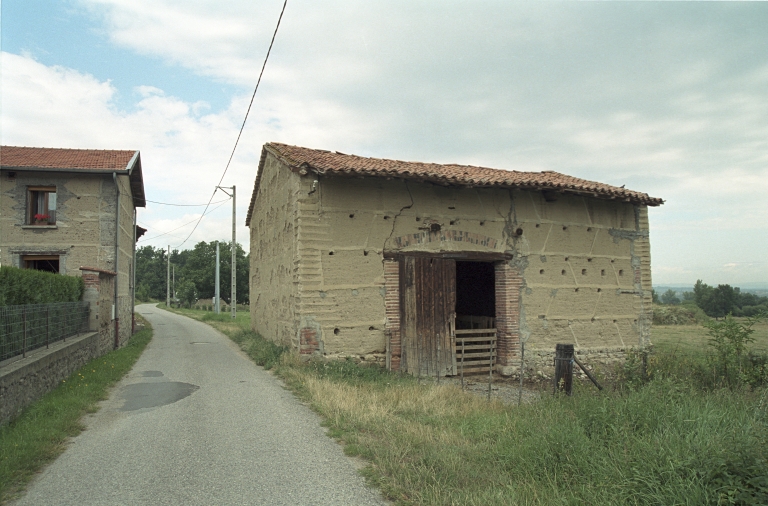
(28, 286)
(678, 315)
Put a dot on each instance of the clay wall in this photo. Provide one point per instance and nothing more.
(585, 262)
(274, 284)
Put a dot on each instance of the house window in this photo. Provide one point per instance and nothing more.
(48, 263)
(42, 205)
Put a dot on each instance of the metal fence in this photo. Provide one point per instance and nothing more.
(32, 326)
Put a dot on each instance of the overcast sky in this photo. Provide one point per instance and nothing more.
(670, 99)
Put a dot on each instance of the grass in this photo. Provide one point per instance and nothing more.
(664, 442)
(37, 436)
(692, 340)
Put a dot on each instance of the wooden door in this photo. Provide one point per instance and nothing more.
(428, 288)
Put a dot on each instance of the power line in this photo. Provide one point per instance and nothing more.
(186, 205)
(263, 66)
(184, 225)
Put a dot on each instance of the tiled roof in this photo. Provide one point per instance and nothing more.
(328, 163)
(59, 158)
(65, 159)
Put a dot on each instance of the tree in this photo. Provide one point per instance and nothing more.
(688, 296)
(655, 296)
(186, 292)
(670, 297)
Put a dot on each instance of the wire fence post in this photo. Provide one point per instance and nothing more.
(47, 326)
(24, 336)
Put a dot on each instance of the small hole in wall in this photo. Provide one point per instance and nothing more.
(621, 272)
(451, 207)
(537, 225)
(612, 260)
(453, 222)
(541, 271)
(576, 290)
(482, 223)
(386, 217)
(562, 272)
(589, 259)
(371, 328)
(565, 228)
(519, 231)
(434, 228)
(583, 272)
(615, 321)
(418, 219)
(365, 253)
(593, 319)
(330, 252)
(589, 229)
(352, 215)
(599, 290)
(602, 272)
(566, 259)
(336, 331)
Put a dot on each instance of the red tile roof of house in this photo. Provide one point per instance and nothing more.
(76, 160)
(327, 163)
(62, 158)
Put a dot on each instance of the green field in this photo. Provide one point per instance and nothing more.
(693, 340)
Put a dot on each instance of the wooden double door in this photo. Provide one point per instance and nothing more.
(428, 305)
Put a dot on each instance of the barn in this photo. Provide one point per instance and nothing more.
(432, 269)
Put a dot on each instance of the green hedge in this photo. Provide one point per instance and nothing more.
(28, 286)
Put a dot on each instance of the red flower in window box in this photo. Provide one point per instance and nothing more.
(41, 219)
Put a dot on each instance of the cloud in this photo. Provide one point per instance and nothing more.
(668, 98)
(183, 152)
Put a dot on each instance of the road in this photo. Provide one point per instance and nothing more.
(196, 422)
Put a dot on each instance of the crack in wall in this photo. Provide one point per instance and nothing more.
(394, 219)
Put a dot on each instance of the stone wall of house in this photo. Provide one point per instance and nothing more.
(274, 265)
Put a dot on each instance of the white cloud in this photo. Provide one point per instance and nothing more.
(668, 98)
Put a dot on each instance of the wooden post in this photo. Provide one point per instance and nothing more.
(522, 369)
(462, 364)
(47, 325)
(490, 370)
(564, 368)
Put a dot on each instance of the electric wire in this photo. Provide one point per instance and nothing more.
(185, 205)
(242, 127)
(184, 225)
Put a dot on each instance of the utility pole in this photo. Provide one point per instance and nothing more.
(234, 256)
(233, 286)
(217, 304)
(168, 279)
(173, 278)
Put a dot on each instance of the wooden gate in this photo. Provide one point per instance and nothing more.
(428, 288)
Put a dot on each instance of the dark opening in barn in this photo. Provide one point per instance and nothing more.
(475, 295)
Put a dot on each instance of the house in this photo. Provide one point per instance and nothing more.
(405, 263)
(73, 211)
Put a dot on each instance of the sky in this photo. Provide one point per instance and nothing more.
(670, 99)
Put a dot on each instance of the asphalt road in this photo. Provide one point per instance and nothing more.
(196, 422)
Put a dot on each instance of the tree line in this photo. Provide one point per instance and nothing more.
(195, 272)
(717, 301)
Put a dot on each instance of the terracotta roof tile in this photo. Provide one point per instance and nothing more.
(65, 159)
(61, 158)
(327, 163)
